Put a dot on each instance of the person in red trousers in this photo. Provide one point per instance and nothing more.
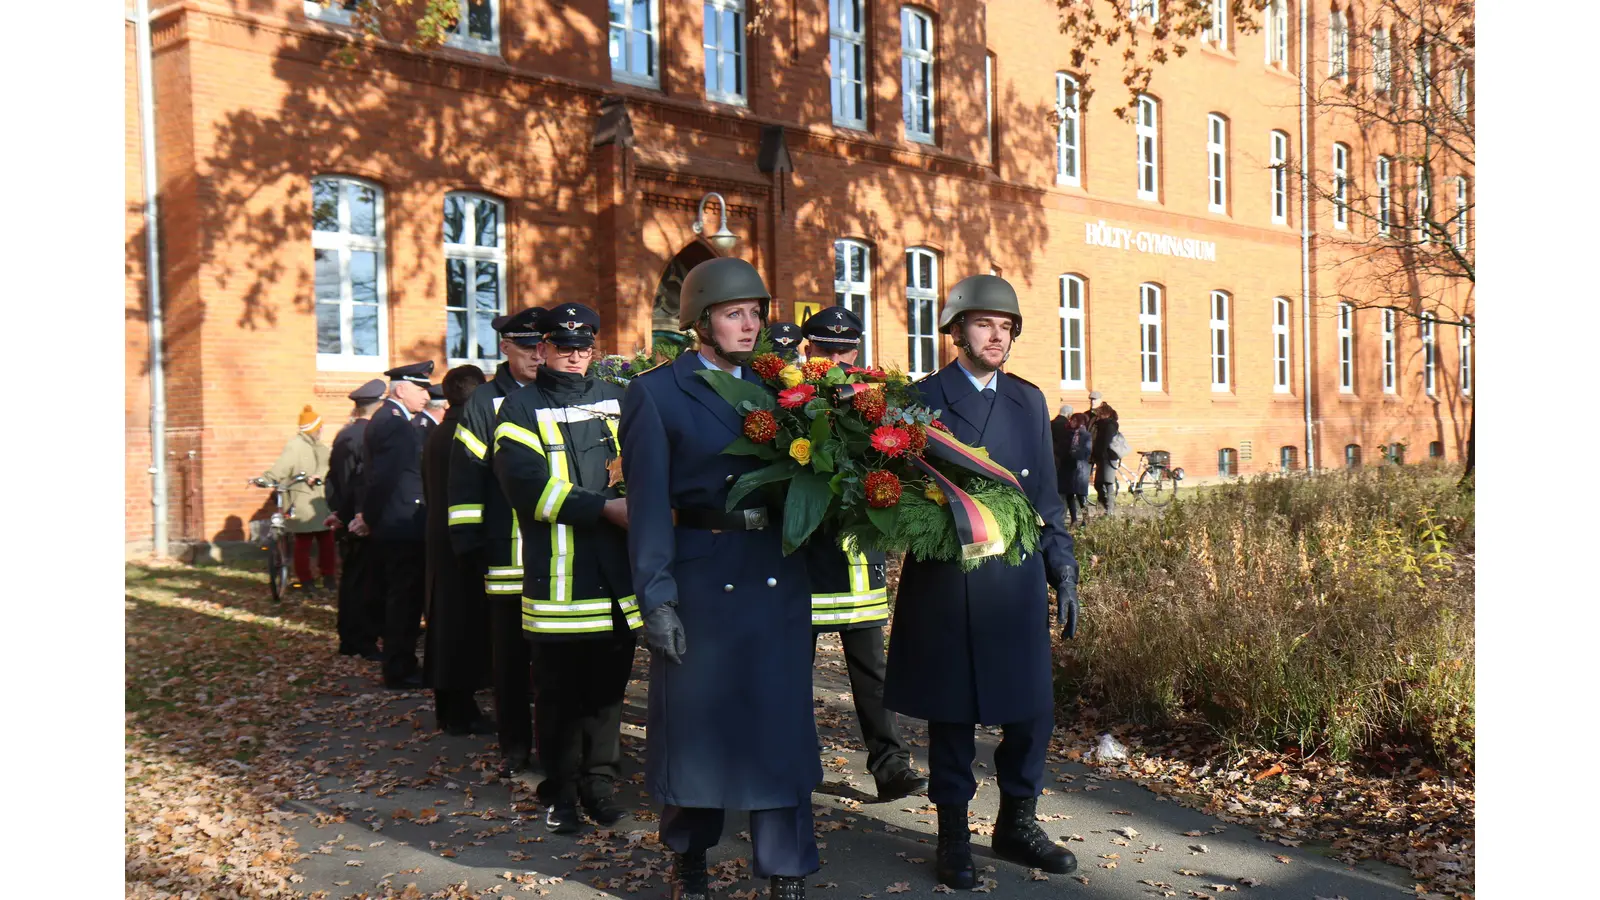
(306, 454)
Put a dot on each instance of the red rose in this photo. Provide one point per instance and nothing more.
(760, 426)
(883, 489)
(797, 396)
(870, 405)
(767, 365)
(891, 440)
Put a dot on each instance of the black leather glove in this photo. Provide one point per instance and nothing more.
(663, 633)
(1067, 600)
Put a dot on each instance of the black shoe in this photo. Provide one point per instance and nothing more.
(514, 764)
(690, 881)
(604, 810)
(903, 783)
(563, 818)
(410, 682)
(1019, 839)
(330, 584)
(952, 859)
(788, 887)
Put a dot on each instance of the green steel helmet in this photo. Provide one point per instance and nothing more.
(718, 281)
(988, 293)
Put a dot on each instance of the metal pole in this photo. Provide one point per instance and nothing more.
(1305, 244)
(152, 250)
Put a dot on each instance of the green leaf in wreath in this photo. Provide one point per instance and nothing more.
(743, 446)
(807, 502)
(749, 481)
(835, 376)
(822, 457)
(885, 519)
(737, 390)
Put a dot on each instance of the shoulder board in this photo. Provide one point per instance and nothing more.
(655, 368)
(393, 411)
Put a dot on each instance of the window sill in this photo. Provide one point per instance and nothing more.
(924, 140)
(1217, 212)
(728, 100)
(856, 128)
(473, 45)
(1063, 181)
(1148, 198)
(1349, 397)
(629, 79)
(1210, 48)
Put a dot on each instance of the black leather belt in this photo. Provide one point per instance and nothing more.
(718, 520)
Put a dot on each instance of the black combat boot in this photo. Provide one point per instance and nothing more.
(788, 887)
(952, 860)
(1019, 839)
(690, 880)
(562, 817)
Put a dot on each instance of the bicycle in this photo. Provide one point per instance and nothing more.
(280, 543)
(1157, 481)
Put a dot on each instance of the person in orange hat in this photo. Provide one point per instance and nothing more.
(306, 454)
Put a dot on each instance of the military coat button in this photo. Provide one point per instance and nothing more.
(772, 582)
(728, 480)
(1024, 473)
(727, 588)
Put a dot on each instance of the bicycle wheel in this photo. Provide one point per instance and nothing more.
(1157, 486)
(277, 568)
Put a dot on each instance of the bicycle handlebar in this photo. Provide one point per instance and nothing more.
(312, 480)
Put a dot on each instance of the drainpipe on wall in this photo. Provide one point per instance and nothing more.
(1305, 243)
(152, 252)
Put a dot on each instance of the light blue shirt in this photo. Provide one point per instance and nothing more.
(994, 379)
(738, 371)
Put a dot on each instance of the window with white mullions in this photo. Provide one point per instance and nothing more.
(1338, 45)
(1347, 348)
(350, 279)
(847, 49)
(1422, 74)
(1147, 134)
(1341, 187)
(922, 311)
(1216, 163)
(1074, 368)
(1278, 168)
(1280, 345)
(477, 28)
(634, 40)
(1424, 204)
(1221, 370)
(1067, 130)
(1276, 19)
(852, 288)
(1430, 354)
(916, 74)
(1216, 31)
(1150, 337)
(725, 51)
(1388, 351)
(1461, 236)
(1382, 61)
(1464, 374)
(474, 269)
(338, 12)
(1385, 196)
(1148, 9)
(1463, 77)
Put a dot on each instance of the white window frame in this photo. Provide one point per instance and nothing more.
(335, 13)
(1221, 343)
(1382, 173)
(1147, 136)
(1074, 288)
(1275, 22)
(1069, 131)
(1217, 32)
(461, 40)
(344, 242)
(740, 95)
(1347, 348)
(1463, 89)
(472, 255)
(919, 296)
(626, 27)
(1278, 167)
(1422, 75)
(911, 56)
(1464, 371)
(847, 38)
(847, 289)
(1430, 353)
(1150, 337)
(1338, 45)
(1389, 357)
(1424, 204)
(1144, 8)
(1217, 163)
(1282, 352)
(1382, 60)
(1341, 187)
(1463, 235)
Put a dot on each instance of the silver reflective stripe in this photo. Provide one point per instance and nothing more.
(505, 572)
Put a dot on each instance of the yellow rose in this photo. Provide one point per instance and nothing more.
(791, 376)
(800, 451)
(933, 493)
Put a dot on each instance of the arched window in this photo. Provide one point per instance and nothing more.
(1382, 61)
(1216, 163)
(1150, 337)
(1352, 456)
(1146, 129)
(1074, 334)
(1280, 345)
(1341, 187)
(1221, 369)
(1288, 458)
(922, 311)
(1278, 168)
(474, 277)
(1227, 461)
(1276, 21)
(1347, 348)
(1068, 136)
(1338, 45)
(852, 288)
(916, 73)
(351, 281)
(1385, 217)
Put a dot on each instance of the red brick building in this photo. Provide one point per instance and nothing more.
(321, 222)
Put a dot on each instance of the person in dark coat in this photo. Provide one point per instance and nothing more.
(455, 657)
(726, 615)
(1076, 486)
(359, 620)
(785, 337)
(972, 648)
(849, 595)
(555, 453)
(1100, 454)
(1060, 443)
(391, 507)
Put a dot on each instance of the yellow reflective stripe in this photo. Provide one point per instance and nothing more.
(519, 434)
(550, 504)
(860, 581)
(470, 441)
(580, 617)
(555, 494)
(504, 572)
(465, 513)
(630, 612)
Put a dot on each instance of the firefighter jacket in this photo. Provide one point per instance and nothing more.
(848, 587)
(554, 444)
(481, 520)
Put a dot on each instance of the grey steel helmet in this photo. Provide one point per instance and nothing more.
(989, 293)
(718, 281)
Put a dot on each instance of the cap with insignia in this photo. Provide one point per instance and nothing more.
(570, 325)
(416, 373)
(522, 328)
(372, 390)
(786, 338)
(834, 327)
(435, 392)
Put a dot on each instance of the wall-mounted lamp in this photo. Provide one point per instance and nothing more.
(724, 239)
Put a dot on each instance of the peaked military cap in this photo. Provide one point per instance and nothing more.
(435, 392)
(570, 325)
(498, 323)
(834, 326)
(522, 328)
(785, 339)
(372, 390)
(416, 373)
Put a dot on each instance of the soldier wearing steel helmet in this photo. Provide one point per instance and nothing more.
(974, 648)
(726, 615)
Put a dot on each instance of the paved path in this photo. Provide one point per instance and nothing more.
(422, 808)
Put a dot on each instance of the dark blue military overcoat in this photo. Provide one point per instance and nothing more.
(730, 727)
(392, 502)
(976, 647)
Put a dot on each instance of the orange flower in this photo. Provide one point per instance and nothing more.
(882, 488)
(870, 405)
(767, 365)
(760, 426)
(817, 369)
